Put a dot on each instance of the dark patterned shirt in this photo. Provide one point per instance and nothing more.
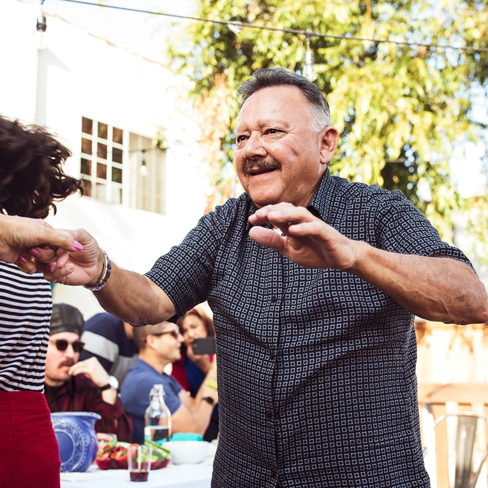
(316, 367)
(80, 394)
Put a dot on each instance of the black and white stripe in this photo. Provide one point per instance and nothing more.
(25, 312)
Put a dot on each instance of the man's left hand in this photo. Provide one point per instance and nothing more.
(435, 288)
(92, 369)
(307, 240)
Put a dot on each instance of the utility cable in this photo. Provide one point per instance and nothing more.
(290, 31)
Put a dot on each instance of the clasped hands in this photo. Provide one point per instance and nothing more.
(64, 256)
(307, 240)
(73, 257)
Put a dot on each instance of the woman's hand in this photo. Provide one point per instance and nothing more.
(203, 361)
(23, 240)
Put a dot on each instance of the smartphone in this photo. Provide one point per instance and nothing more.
(204, 346)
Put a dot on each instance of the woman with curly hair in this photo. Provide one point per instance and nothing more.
(31, 180)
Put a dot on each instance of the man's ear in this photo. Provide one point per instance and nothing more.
(151, 342)
(329, 136)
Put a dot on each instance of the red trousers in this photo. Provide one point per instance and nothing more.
(29, 454)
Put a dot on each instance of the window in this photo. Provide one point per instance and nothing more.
(102, 160)
(148, 175)
(120, 167)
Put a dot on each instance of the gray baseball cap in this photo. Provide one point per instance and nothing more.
(66, 318)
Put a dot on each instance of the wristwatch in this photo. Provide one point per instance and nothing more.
(209, 400)
(112, 383)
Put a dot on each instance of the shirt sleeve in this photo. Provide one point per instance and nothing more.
(171, 391)
(101, 341)
(185, 272)
(115, 420)
(87, 354)
(402, 228)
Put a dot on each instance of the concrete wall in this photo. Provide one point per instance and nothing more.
(81, 75)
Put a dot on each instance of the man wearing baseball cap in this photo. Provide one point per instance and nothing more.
(84, 386)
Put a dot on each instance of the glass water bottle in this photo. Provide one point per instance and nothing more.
(157, 417)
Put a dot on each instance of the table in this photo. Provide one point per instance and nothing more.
(173, 476)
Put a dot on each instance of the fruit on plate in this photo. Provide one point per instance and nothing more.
(114, 456)
(160, 455)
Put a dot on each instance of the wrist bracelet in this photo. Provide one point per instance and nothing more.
(211, 384)
(209, 400)
(107, 266)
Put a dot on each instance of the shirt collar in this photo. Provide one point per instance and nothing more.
(318, 205)
(140, 363)
(67, 387)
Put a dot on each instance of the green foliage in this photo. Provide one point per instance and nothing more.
(477, 224)
(400, 110)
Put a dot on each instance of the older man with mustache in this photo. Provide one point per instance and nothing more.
(85, 386)
(314, 283)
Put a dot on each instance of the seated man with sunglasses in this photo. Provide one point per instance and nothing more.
(85, 386)
(159, 345)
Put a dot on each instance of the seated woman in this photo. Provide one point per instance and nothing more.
(191, 369)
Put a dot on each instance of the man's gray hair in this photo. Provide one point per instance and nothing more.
(264, 78)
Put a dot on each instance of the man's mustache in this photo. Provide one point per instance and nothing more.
(262, 165)
(68, 362)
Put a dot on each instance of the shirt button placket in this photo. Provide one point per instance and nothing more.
(272, 354)
(276, 291)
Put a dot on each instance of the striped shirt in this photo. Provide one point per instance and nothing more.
(25, 313)
(105, 338)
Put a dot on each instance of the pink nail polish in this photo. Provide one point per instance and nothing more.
(34, 252)
(51, 268)
(77, 246)
(22, 259)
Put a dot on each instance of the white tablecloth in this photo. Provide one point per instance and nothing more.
(173, 476)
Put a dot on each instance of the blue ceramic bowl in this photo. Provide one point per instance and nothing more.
(77, 440)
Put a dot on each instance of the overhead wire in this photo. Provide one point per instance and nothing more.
(290, 31)
(308, 33)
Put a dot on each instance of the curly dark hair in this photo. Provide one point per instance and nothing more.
(31, 173)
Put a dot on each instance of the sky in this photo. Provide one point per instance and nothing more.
(138, 32)
(145, 34)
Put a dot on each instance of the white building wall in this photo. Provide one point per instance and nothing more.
(81, 75)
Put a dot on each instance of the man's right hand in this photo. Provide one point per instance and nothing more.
(76, 268)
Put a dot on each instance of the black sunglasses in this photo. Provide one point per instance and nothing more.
(175, 333)
(62, 345)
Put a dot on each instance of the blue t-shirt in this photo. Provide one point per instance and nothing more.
(135, 394)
